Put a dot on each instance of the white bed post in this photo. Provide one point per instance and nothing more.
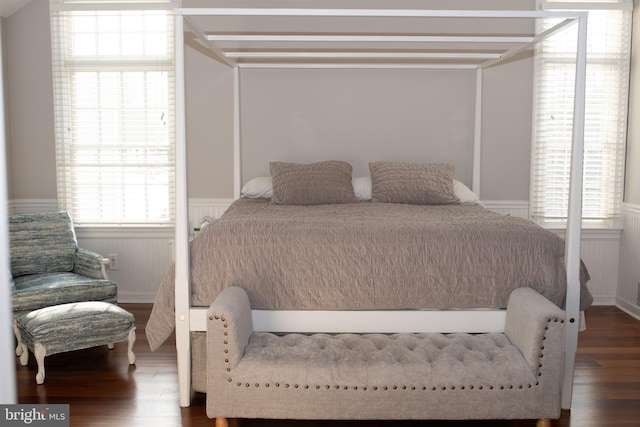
(477, 135)
(8, 393)
(182, 279)
(574, 219)
(237, 153)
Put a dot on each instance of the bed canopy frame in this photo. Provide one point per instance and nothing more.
(239, 49)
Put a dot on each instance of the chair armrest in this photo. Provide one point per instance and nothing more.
(536, 326)
(229, 326)
(90, 264)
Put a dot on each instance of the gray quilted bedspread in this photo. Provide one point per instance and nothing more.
(367, 256)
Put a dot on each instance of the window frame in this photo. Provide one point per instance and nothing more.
(612, 217)
(65, 69)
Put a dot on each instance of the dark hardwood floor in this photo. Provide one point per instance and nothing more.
(103, 390)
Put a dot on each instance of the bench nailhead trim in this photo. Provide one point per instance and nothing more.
(394, 387)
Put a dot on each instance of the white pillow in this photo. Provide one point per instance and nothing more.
(262, 188)
(362, 187)
(258, 188)
(464, 193)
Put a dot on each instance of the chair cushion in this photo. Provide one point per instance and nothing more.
(41, 243)
(42, 290)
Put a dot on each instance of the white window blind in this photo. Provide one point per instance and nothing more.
(608, 61)
(113, 72)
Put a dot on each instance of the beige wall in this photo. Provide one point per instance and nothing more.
(209, 93)
(632, 181)
(358, 116)
(30, 102)
(507, 115)
(401, 115)
(310, 115)
(5, 100)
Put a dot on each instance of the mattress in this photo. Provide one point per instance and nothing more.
(365, 255)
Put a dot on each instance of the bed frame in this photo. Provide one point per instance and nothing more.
(189, 319)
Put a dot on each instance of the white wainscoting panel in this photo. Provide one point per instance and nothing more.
(628, 297)
(145, 254)
(203, 208)
(517, 208)
(600, 252)
(32, 205)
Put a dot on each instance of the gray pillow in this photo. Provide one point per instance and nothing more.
(312, 184)
(412, 183)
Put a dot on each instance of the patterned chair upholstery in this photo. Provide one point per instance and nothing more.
(48, 268)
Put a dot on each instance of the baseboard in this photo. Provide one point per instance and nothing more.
(631, 309)
(604, 300)
(628, 288)
(136, 297)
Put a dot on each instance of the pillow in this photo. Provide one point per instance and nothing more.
(362, 187)
(258, 188)
(312, 184)
(412, 183)
(261, 188)
(464, 194)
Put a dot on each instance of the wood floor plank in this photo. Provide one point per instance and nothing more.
(102, 389)
(615, 363)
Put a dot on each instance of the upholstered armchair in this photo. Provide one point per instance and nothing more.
(48, 268)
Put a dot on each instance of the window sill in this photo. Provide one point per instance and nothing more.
(591, 233)
(599, 225)
(125, 231)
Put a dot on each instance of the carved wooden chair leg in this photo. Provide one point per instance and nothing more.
(16, 332)
(132, 339)
(24, 354)
(40, 352)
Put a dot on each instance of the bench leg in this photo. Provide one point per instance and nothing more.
(40, 352)
(543, 422)
(131, 339)
(222, 422)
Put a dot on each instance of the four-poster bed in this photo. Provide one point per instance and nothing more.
(474, 52)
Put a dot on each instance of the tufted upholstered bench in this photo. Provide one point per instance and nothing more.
(510, 375)
(74, 326)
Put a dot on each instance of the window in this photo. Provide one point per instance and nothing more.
(608, 60)
(113, 71)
